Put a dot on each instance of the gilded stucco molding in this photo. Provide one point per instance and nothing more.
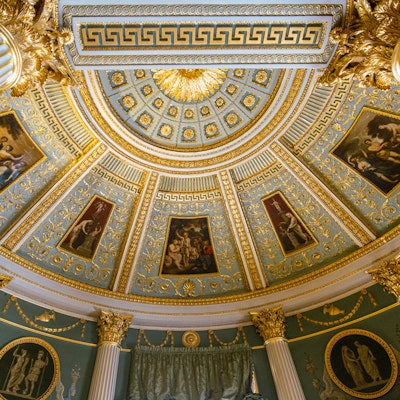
(250, 259)
(269, 323)
(4, 280)
(361, 234)
(388, 275)
(302, 280)
(366, 45)
(40, 43)
(127, 268)
(51, 197)
(112, 327)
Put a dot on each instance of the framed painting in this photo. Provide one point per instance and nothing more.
(292, 233)
(361, 364)
(18, 153)
(371, 148)
(83, 237)
(29, 369)
(189, 248)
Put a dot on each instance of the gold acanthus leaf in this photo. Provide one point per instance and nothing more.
(33, 27)
(366, 46)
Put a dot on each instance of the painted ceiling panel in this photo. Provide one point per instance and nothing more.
(356, 163)
(178, 178)
(203, 216)
(94, 209)
(292, 230)
(30, 146)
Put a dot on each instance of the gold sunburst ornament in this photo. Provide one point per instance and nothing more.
(188, 85)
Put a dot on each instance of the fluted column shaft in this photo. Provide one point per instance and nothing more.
(283, 370)
(105, 372)
(270, 324)
(112, 329)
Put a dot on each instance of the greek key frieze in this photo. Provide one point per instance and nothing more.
(146, 36)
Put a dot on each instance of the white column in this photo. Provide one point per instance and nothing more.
(112, 329)
(10, 60)
(284, 372)
(271, 326)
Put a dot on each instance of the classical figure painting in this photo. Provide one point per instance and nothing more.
(29, 369)
(361, 363)
(372, 148)
(292, 233)
(18, 153)
(84, 235)
(189, 248)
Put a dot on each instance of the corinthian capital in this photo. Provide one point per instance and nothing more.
(112, 327)
(270, 323)
(388, 275)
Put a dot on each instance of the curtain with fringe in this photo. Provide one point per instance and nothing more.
(211, 373)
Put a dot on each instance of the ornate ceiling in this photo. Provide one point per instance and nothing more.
(200, 170)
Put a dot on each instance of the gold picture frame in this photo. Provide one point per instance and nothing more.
(29, 369)
(292, 233)
(361, 364)
(371, 148)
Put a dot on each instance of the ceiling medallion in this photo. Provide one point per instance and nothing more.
(190, 339)
(188, 85)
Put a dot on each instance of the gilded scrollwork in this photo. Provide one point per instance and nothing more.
(279, 266)
(44, 317)
(332, 310)
(377, 208)
(42, 246)
(34, 28)
(366, 46)
(269, 323)
(148, 277)
(112, 327)
(189, 286)
(388, 275)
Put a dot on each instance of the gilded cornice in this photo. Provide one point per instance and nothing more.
(363, 236)
(249, 257)
(388, 275)
(112, 327)
(128, 261)
(302, 280)
(50, 197)
(269, 323)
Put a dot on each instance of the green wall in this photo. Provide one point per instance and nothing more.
(309, 333)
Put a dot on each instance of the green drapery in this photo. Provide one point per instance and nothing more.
(212, 373)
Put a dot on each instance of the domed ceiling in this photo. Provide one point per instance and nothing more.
(189, 195)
